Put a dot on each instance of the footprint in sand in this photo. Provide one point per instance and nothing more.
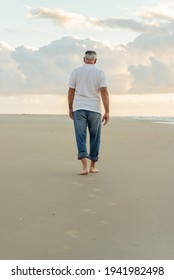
(77, 183)
(66, 248)
(110, 204)
(87, 210)
(102, 223)
(91, 181)
(97, 190)
(73, 233)
(93, 195)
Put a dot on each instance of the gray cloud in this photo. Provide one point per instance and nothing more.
(136, 26)
(153, 67)
(10, 75)
(154, 77)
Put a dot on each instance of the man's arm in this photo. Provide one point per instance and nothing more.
(105, 100)
(71, 93)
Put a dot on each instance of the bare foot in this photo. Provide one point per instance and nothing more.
(94, 170)
(84, 172)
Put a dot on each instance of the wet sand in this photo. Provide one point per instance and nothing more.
(48, 211)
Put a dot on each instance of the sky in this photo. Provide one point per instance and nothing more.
(41, 42)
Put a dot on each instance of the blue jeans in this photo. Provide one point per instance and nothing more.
(84, 119)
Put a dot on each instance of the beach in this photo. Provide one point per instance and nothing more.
(48, 211)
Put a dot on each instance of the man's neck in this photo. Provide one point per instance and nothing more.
(89, 63)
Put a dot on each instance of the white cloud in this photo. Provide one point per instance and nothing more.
(163, 11)
(61, 18)
(145, 65)
(44, 70)
(5, 47)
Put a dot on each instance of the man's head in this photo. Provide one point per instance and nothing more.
(90, 57)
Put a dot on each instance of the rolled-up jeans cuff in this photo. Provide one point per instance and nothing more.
(93, 158)
(82, 155)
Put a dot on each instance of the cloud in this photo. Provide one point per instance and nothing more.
(153, 67)
(44, 70)
(154, 77)
(150, 24)
(145, 65)
(61, 18)
(163, 11)
(136, 26)
(10, 75)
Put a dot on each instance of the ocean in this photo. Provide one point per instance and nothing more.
(154, 119)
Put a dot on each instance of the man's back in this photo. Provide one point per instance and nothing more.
(87, 81)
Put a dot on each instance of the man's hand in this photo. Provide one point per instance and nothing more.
(71, 114)
(105, 99)
(105, 118)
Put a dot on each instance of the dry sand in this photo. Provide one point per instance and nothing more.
(48, 211)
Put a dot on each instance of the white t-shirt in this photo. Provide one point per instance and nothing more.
(87, 81)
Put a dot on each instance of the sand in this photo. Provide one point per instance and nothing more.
(48, 211)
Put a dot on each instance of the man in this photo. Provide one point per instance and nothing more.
(87, 87)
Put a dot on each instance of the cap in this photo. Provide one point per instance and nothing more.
(90, 55)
